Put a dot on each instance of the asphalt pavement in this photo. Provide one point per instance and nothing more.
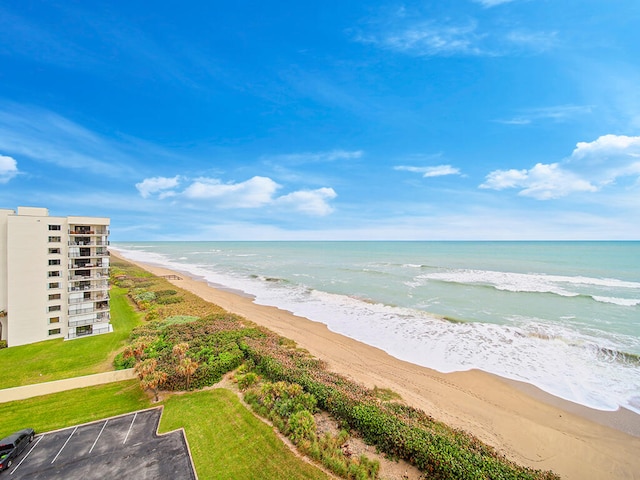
(126, 446)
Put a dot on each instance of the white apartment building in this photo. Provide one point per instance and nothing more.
(54, 276)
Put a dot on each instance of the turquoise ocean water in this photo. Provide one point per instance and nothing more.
(564, 316)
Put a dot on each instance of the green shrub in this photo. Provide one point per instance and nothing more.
(144, 296)
(302, 426)
(121, 363)
(286, 398)
(164, 293)
(179, 319)
(337, 465)
(247, 380)
(221, 342)
(371, 467)
(399, 431)
(168, 300)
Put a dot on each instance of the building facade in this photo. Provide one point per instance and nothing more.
(54, 276)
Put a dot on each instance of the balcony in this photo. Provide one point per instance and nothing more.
(78, 230)
(100, 318)
(93, 298)
(92, 275)
(86, 264)
(87, 242)
(93, 330)
(89, 286)
(84, 311)
(88, 253)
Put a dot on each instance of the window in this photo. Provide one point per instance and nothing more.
(54, 262)
(54, 320)
(54, 285)
(54, 239)
(54, 296)
(84, 330)
(54, 331)
(54, 308)
(54, 273)
(54, 227)
(54, 251)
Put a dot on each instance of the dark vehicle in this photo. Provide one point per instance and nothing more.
(13, 445)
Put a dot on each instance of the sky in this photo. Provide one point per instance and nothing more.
(333, 120)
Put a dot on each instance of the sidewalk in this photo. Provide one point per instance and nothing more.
(28, 391)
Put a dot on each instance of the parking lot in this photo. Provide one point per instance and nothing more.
(126, 446)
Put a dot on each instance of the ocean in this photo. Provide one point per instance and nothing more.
(563, 316)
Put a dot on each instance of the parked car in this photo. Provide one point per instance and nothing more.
(13, 445)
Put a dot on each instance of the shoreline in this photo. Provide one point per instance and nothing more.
(527, 425)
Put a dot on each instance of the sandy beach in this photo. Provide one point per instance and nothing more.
(525, 424)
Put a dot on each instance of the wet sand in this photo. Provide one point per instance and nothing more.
(527, 425)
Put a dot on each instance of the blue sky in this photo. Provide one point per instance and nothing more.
(263, 120)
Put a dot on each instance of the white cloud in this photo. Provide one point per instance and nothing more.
(312, 202)
(416, 32)
(608, 158)
(492, 3)
(316, 157)
(531, 40)
(45, 136)
(255, 192)
(8, 168)
(427, 172)
(428, 38)
(591, 167)
(607, 146)
(557, 113)
(157, 184)
(501, 179)
(543, 181)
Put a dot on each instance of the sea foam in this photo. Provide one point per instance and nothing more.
(582, 366)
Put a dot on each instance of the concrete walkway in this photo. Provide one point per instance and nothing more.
(28, 391)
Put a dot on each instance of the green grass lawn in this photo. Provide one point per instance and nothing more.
(225, 439)
(228, 442)
(82, 405)
(56, 359)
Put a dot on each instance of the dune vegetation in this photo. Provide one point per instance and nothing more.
(188, 343)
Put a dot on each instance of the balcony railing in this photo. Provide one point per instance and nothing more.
(88, 243)
(86, 288)
(93, 276)
(97, 298)
(87, 266)
(106, 328)
(90, 255)
(84, 311)
(84, 232)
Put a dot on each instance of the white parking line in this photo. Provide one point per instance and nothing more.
(65, 444)
(25, 457)
(96, 441)
(130, 427)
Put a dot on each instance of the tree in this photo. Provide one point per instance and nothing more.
(150, 378)
(136, 350)
(145, 367)
(187, 367)
(180, 350)
(153, 381)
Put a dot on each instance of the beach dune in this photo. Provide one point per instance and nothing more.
(526, 425)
